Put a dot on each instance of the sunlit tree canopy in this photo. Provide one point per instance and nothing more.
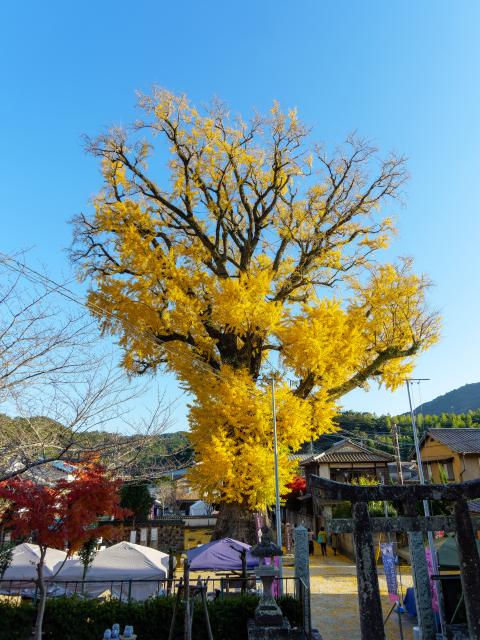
(221, 248)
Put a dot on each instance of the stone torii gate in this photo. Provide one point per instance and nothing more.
(406, 497)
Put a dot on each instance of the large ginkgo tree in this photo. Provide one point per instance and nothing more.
(222, 249)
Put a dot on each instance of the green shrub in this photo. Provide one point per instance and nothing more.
(78, 619)
(291, 609)
(16, 621)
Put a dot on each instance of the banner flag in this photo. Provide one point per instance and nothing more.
(388, 559)
(433, 585)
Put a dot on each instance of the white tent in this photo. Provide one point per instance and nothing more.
(200, 508)
(113, 567)
(26, 558)
(24, 567)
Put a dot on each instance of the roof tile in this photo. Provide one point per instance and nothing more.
(361, 454)
(465, 440)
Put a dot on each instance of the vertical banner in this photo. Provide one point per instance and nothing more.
(276, 582)
(433, 585)
(288, 536)
(388, 559)
(259, 523)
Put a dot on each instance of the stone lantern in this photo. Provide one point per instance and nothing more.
(269, 623)
(267, 613)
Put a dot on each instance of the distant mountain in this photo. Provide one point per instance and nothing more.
(461, 400)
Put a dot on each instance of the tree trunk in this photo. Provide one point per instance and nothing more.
(38, 629)
(235, 521)
(84, 576)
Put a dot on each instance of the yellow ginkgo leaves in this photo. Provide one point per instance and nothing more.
(238, 248)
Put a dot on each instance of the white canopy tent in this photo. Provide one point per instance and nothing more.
(23, 567)
(25, 559)
(200, 508)
(113, 567)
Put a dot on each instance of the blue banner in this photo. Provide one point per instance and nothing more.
(388, 558)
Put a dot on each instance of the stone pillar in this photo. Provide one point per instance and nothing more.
(371, 616)
(302, 562)
(421, 579)
(302, 572)
(469, 567)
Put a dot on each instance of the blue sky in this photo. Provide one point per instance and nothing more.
(403, 74)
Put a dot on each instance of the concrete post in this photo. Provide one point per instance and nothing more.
(302, 573)
(421, 579)
(371, 617)
(469, 567)
(302, 562)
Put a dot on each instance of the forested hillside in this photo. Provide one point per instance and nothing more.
(461, 400)
(376, 431)
(162, 452)
(172, 450)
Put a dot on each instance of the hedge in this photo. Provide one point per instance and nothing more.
(79, 619)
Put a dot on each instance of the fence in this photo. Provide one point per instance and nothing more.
(126, 590)
(303, 595)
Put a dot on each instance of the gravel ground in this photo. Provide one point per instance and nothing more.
(333, 583)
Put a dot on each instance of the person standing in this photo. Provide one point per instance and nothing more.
(334, 543)
(310, 541)
(322, 540)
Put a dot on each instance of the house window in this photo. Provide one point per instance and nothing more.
(427, 471)
(366, 472)
(349, 475)
(448, 466)
(340, 475)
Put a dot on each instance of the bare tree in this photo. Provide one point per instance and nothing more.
(165, 493)
(39, 343)
(56, 378)
(91, 417)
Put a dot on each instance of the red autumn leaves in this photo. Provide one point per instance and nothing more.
(66, 514)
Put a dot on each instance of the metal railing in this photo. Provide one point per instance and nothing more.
(303, 595)
(125, 590)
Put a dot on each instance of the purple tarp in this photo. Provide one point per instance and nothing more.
(220, 555)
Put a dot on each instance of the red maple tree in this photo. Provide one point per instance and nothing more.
(62, 516)
(297, 487)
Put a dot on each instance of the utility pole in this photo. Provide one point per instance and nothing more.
(278, 518)
(398, 458)
(421, 476)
